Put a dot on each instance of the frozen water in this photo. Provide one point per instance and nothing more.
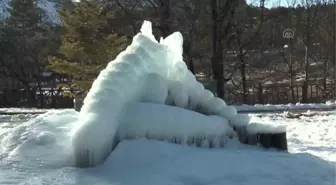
(157, 89)
(146, 71)
(166, 122)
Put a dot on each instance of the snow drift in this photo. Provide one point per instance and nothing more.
(151, 72)
(43, 140)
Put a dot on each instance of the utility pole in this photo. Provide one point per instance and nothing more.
(305, 85)
(289, 34)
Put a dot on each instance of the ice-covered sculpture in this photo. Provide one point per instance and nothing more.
(149, 72)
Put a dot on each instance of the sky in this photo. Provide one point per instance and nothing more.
(273, 3)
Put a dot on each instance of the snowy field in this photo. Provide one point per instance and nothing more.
(286, 107)
(21, 110)
(240, 108)
(38, 152)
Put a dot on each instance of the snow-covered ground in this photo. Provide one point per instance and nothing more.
(312, 132)
(15, 110)
(240, 108)
(39, 152)
(284, 107)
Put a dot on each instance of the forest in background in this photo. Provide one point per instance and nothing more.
(239, 47)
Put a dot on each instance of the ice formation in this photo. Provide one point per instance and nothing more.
(161, 122)
(151, 72)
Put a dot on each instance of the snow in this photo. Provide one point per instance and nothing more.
(152, 163)
(22, 110)
(50, 9)
(152, 72)
(254, 128)
(42, 143)
(314, 134)
(283, 107)
(19, 114)
(39, 152)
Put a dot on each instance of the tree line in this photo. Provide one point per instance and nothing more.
(230, 41)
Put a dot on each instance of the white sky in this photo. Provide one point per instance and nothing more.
(272, 3)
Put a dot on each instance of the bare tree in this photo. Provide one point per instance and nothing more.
(247, 27)
(311, 19)
(222, 13)
(188, 18)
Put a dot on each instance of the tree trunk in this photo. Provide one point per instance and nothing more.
(306, 78)
(291, 72)
(305, 94)
(164, 10)
(243, 75)
(325, 76)
(31, 97)
(187, 52)
(334, 53)
(260, 93)
(217, 51)
(41, 95)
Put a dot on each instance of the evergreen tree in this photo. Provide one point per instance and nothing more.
(25, 30)
(86, 44)
(27, 37)
(25, 14)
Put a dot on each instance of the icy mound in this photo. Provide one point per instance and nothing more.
(36, 141)
(176, 125)
(147, 71)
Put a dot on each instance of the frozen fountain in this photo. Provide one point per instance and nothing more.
(148, 92)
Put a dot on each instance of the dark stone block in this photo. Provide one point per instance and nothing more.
(252, 139)
(276, 140)
(265, 140)
(280, 141)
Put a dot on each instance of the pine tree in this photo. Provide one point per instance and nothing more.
(26, 35)
(86, 45)
(25, 14)
(26, 31)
